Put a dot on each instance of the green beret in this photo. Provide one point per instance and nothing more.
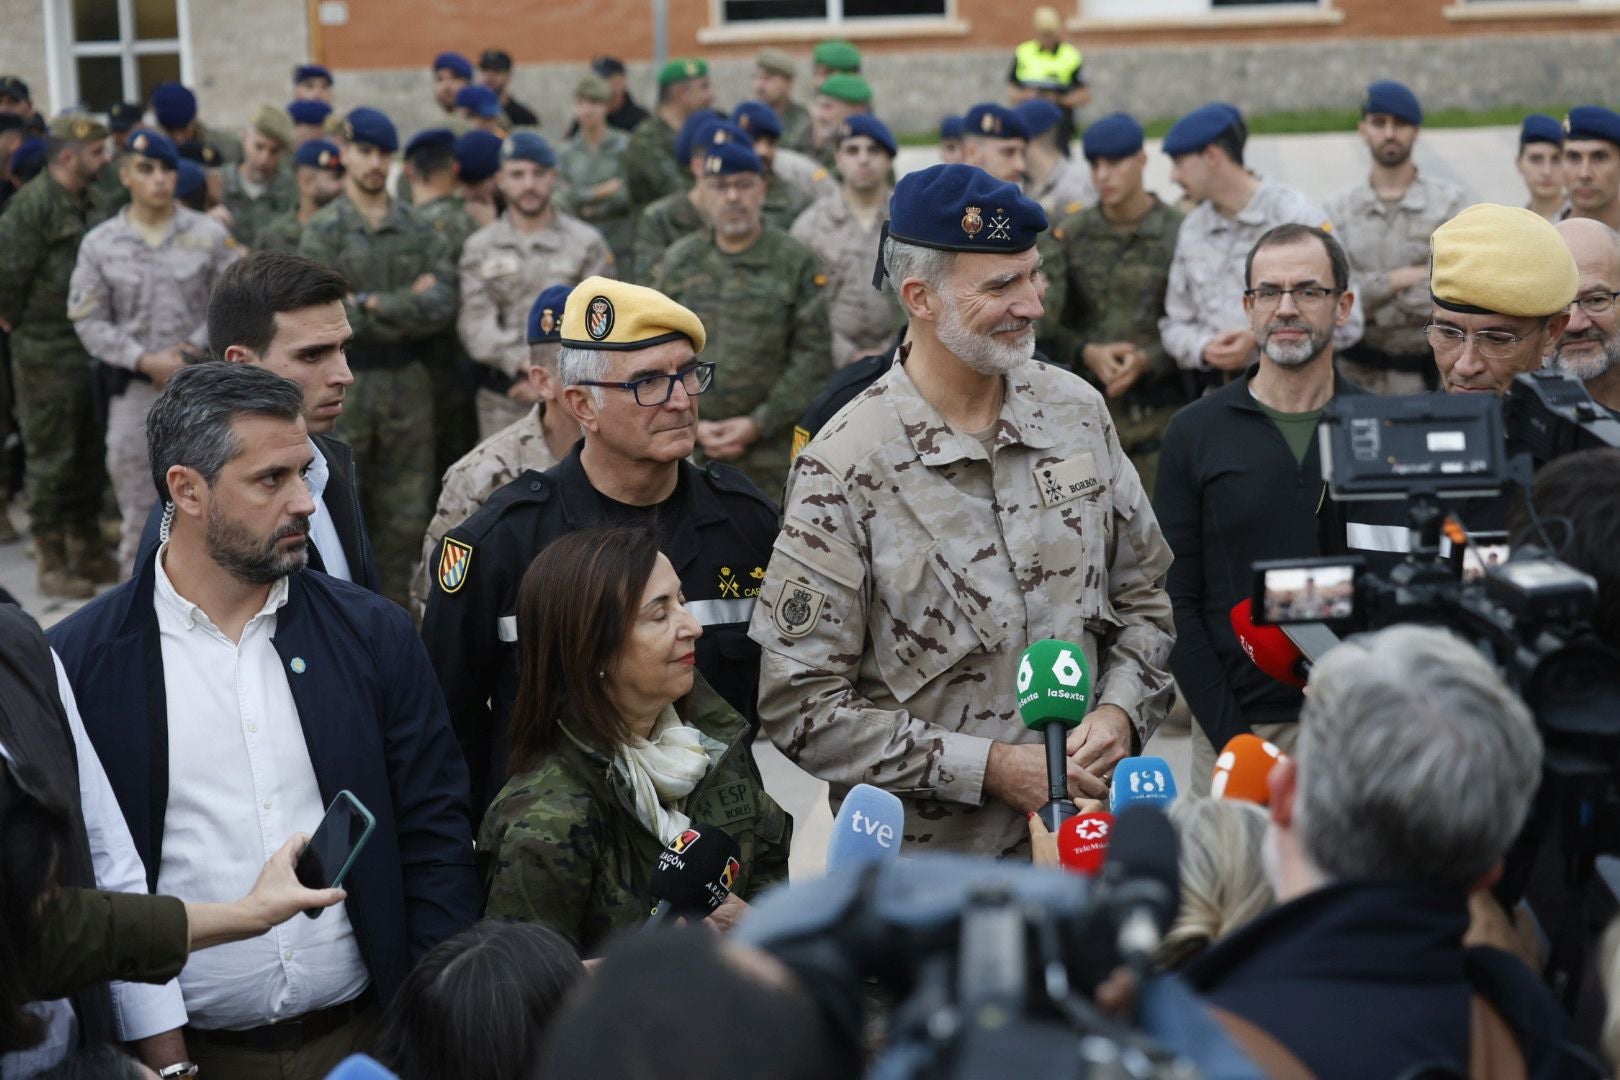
(847, 88)
(1502, 260)
(77, 127)
(837, 56)
(680, 70)
(776, 62)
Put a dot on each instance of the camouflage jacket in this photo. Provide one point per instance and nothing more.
(651, 169)
(448, 215)
(385, 262)
(107, 195)
(784, 202)
(864, 319)
(1067, 190)
(40, 234)
(568, 850)
(251, 213)
(795, 126)
(280, 233)
(805, 173)
(659, 226)
(581, 168)
(913, 569)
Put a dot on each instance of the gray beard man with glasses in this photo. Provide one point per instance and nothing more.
(1589, 348)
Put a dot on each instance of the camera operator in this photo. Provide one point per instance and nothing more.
(1589, 349)
(1415, 770)
(1584, 489)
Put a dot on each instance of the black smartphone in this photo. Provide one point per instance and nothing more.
(335, 845)
(1304, 591)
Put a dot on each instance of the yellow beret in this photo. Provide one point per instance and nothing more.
(606, 314)
(1501, 260)
(273, 123)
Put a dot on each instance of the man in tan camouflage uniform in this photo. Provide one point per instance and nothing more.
(970, 502)
(138, 299)
(258, 188)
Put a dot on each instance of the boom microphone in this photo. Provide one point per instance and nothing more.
(868, 829)
(1054, 688)
(1269, 648)
(1142, 780)
(1243, 769)
(1082, 842)
(694, 875)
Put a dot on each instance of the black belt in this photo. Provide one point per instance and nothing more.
(379, 357)
(288, 1035)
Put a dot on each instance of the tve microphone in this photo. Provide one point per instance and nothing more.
(1142, 780)
(867, 829)
(1082, 842)
(1268, 647)
(694, 875)
(1243, 769)
(1054, 689)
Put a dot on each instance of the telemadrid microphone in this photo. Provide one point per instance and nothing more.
(1054, 688)
(1243, 769)
(1082, 842)
(868, 829)
(1269, 648)
(694, 874)
(1142, 780)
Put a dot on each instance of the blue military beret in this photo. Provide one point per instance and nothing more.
(1201, 127)
(122, 116)
(950, 127)
(319, 154)
(309, 112)
(455, 63)
(607, 66)
(528, 146)
(994, 122)
(190, 179)
(545, 317)
(311, 71)
(431, 137)
(1039, 115)
(1539, 127)
(1592, 122)
(758, 119)
(153, 145)
(478, 154)
(961, 208)
(1393, 99)
(173, 105)
(371, 127)
(727, 158)
(29, 158)
(858, 124)
(480, 99)
(694, 134)
(1115, 136)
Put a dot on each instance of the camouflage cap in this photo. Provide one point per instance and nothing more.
(776, 62)
(606, 314)
(77, 127)
(593, 88)
(273, 123)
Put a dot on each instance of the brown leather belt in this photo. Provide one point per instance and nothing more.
(292, 1034)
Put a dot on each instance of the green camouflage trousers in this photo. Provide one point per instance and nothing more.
(65, 476)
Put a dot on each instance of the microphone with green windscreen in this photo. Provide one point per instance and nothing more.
(1054, 691)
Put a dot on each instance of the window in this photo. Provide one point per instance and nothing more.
(743, 12)
(107, 51)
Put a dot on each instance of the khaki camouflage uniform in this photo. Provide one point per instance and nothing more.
(913, 569)
(651, 167)
(580, 169)
(864, 319)
(769, 336)
(280, 233)
(251, 214)
(1068, 190)
(659, 226)
(805, 173)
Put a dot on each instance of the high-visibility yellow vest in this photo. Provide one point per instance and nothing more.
(1037, 67)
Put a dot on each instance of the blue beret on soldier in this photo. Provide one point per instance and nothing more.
(1539, 127)
(371, 127)
(29, 158)
(155, 146)
(173, 105)
(478, 155)
(430, 137)
(758, 119)
(309, 112)
(870, 126)
(729, 158)
(311, 71)
(960, 208)
(993, 122)
(1039, 115)
(694, 133)
(528, 146)
(455, 63)
(1115, 136)
(189, 179)
(950, 127)
(1201, 127)
(545, 317)
(480, 99)
(1592, 122)
(123, 116)
(1392, 99)
(319, 154)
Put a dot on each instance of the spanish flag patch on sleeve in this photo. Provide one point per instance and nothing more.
(801, 439)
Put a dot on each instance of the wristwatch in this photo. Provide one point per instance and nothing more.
(179, 1068)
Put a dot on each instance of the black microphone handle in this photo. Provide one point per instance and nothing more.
(1059, 807)
(663, 913)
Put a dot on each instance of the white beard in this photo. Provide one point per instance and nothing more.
(982, 353)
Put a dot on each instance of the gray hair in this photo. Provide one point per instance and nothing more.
(575, 366)
(190, 423)
(1416, 761)
(902, 261)
(544, 354)
(1223, 878)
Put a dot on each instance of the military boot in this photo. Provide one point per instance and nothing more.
(87, 557)
(55, 579)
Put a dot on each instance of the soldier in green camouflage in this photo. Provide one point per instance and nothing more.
(590, 166)
(784, 201)
(774, 72)
(258, 188)
(679, 213)
(759, 294)
(107, 194)
(39, 243)
(652, 168)
(318, 175)
(405, 293)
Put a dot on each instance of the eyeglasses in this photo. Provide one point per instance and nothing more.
(1597, 303)
(653, 390)
(1492, 344)
(740, 185)
(1305, 296)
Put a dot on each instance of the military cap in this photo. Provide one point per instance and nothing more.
(837, 56)
(695, 132)
(123, 116)
(454, 63)
(607, 66)
(961, 208)
(592, 87)
(758, 119)
(606, 314)
(205, 154)
(546, 314)
(730, 158)
(189, 179)
(494, 60)
(1503, 260)
(479, 100)
(1201, 127)
(1114, 136)
(29, 158)
(14, 88)
(950, 127)
(311, 71)
(319, 154)
(439, 136)
(1592, 122)
(528, 146)
(155, 146)
(1390, 98)
(77, 127)
(478, 155)
(682, 69)
(776, 62)
(1539, 127)
(1039, 115)
(993, 121)
(371, 127)
(851, 89)
(273, 123)
(871, 127)
(173, 105)
(309, 112)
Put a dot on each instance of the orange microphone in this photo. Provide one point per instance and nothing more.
(1242, 769)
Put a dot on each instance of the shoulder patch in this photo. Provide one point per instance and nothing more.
(797, 609)
(1074, 207)
(818, 176)
(1058, 233)
(820, 280)
(801, 439)
(454, 559)
(1326, 226)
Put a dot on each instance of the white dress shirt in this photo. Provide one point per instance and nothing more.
(240, 783)
(322, 533)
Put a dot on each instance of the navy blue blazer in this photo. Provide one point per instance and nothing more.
(373, 719)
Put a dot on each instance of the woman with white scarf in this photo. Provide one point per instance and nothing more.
(605, 771)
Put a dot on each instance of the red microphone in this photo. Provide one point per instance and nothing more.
(1242, 769)
(1082, 842)
(1269, 648)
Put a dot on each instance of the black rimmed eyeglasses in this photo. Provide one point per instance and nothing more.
(653, 390)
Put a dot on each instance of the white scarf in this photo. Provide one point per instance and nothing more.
(662, 771)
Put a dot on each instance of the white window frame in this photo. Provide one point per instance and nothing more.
(720, 32)
(62, 52)
(1479, 11)
(1208, 16)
